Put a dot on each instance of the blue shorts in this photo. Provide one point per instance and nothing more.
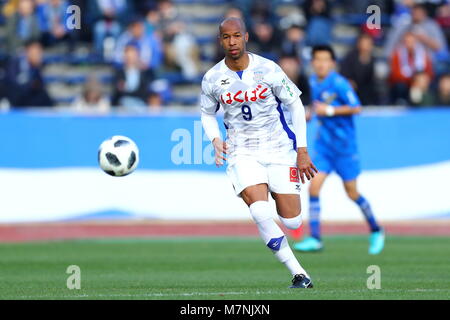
(346, 166)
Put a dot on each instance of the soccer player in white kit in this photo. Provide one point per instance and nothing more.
(264, 154)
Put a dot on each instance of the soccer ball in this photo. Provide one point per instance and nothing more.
(118, 156)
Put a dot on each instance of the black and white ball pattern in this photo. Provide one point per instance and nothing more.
(118, 156)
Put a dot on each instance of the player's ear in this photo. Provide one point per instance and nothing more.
(246, 37)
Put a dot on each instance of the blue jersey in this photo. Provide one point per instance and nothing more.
(336, 135)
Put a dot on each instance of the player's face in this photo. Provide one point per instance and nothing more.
(233, 40)
(322, 63)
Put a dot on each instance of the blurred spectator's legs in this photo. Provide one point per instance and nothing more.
(399, 94)
(105, 31)
(4, 102)
(441, 64)
(32, 98)
(132, 103)
(162, 90)
(155, 101)
(69, 39)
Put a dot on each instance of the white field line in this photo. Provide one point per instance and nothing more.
(190, 294)
(100, 295)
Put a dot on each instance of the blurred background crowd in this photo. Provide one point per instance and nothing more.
(143, 55)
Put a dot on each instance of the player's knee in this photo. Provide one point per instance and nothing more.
(292, 223)
(352, 194)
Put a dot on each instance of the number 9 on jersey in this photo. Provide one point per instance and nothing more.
(246, 112)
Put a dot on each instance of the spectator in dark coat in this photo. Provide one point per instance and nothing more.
(264, 39)
(293, 41)
(132, 81)
(358, 67)
(26, 87)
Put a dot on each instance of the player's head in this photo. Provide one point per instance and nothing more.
(233, 37)
(323, 60)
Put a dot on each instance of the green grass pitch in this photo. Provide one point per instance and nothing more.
(222, 268)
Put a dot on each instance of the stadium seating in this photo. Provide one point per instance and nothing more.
(202, 17)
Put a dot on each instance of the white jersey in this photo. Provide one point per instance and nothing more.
(252, 102)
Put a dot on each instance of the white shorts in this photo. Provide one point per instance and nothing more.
(283, 178)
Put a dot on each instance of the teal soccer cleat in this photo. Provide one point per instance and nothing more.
(309, 244)
(376, 242)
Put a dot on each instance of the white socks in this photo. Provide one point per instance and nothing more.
(274, 237)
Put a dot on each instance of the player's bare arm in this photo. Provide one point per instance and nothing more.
(323, 109)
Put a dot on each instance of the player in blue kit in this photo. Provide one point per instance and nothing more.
(335, 103)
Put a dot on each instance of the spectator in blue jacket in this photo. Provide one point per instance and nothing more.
(107, 29)
(148, 45)
(53, 16)
(319, 27)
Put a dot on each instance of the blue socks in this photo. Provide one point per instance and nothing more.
(314, 217)
(368, 214)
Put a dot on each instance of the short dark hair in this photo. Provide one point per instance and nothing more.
(323, 47)
(233, 19)
(32, 42)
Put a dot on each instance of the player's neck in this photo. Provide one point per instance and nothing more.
(238, 64)
(325, 76)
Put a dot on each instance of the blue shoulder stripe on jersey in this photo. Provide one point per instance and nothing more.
(239, 73)
(286, 128)
(217, 107)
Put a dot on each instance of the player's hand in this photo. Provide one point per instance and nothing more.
(320, 108)
(220, 148)
(304, 164)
